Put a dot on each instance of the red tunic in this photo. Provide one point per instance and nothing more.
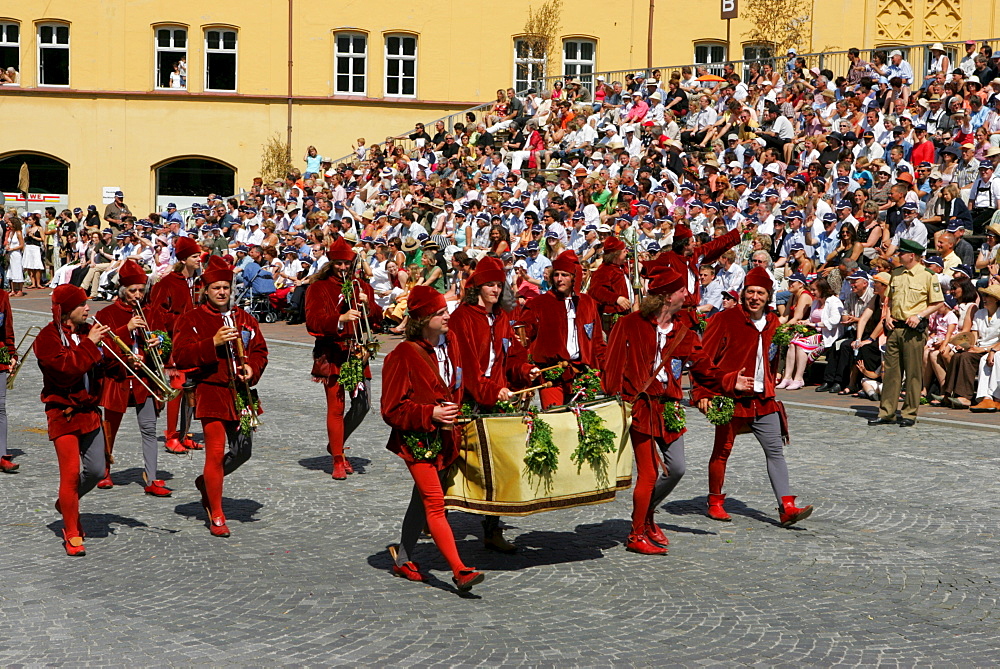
(411, 388)
(195, 350)
(6, 329)
(120, 389)
(475, 337)
(325, 304)
(173, 295)
(708, 253)
(71, 380)
(546, 328)
(607, 284)
(629, 361)
(731, 342)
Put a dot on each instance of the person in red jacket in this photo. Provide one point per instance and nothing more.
(687, 254)
(223, 346)
(422, 384)
(610, 285)
(121, 389)
(563, 325)
(8, 356)
(492, 358)
(645, 360)
(69, 355)
(174, 294)
(739, 342)
(338, 332)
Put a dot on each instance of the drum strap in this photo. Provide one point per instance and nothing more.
(678, 337)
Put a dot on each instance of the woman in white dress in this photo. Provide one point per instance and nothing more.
(15, 255)
(32, 261)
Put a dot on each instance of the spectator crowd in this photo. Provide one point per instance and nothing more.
(838, 175)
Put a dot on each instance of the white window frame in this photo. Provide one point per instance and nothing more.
(352, 57)
(236, 63)
(586, 78)
(401, 58)
(55, 25)
(756, 48)
(16, 44)
(529, 61)
(715, 67)
(157, 50)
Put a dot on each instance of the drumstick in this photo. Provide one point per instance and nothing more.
(561, 365)
(547, 384)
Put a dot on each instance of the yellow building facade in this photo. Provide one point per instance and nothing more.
(99, 105)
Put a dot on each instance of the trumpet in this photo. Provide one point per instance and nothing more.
(22, 355)
(142, 334)
(134, 365)
(242, 392)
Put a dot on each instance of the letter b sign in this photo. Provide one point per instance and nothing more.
(729, 9)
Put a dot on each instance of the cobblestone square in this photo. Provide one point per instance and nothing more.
(897, 566)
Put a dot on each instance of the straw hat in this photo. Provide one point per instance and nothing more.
(410, 244)
(993, 290)
(993, 228)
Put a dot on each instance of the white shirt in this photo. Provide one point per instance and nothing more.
(663, 376)
(758, 369)
(489, 366)
(444, 362)
(572, 343)
(988, 328)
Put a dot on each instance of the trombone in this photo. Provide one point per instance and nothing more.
(242, 392)
(20, 356)
(133, 364)
(155, 354)
(366, 342)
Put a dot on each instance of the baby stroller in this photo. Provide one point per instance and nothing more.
(258, 305)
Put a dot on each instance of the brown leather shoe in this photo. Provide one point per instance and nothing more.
(495, 541)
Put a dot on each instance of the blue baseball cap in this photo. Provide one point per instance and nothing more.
(798, 276)
(934, 260)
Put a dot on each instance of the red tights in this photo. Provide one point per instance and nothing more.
(173, 412)
(335, 419)
(428, 482)
(74, 453)
(725, 437)
(216, 443)
(647, 465)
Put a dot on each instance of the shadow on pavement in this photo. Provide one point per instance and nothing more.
(97, 525)
(735, 507)
(324, 463)
(242, 510)
(134, 475)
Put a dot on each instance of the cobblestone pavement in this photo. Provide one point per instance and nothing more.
(896, 566)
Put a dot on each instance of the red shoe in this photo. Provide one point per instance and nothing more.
(105, 483)
(790, 514)
(192, 444)
(655, 534)
(175, 446)
(157, 489)
(347, 466)
(639, 543)
(218, 527)
(74, 546)
(715, 508)
(339, 470)
(408, 570)
(8, 466)
(467, 578)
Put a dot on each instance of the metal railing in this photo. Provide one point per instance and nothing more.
(918, 55)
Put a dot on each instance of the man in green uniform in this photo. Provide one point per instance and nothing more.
(914, 294)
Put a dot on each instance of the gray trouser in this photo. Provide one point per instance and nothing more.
(146, 417)
(92, 462)
(767, 430)
(3, 414)
(673, 458)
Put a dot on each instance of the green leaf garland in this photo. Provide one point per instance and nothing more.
(166, 344)
(352, 373)
(586, 386)
(423, 445)
(247, 412)
(541, 457)
(594, 442)
(4, 355)
(720, 410)
(674, 416)
(783, 335)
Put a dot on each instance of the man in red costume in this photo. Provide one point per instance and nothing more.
(687, 254)
(338, 332)
(227, 354)
(174, 294)
(739, 342)
(69, 355)
(610, 285)
(8, 351)
(121, 389)
(493, 359)
(563, 325)
(421, 387)
(646, 357)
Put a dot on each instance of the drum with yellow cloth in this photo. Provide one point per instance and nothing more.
(490, 476)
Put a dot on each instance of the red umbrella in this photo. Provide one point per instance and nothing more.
(709, 77)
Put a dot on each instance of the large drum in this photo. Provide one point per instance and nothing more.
(490, 475)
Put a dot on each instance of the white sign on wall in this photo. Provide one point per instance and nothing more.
(108, 193)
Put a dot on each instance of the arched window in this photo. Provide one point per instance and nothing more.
(401, 66)
(192, 178)
(220, 60)
(46, 174)
(712, 54)
(529, 65)
(10, 49)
